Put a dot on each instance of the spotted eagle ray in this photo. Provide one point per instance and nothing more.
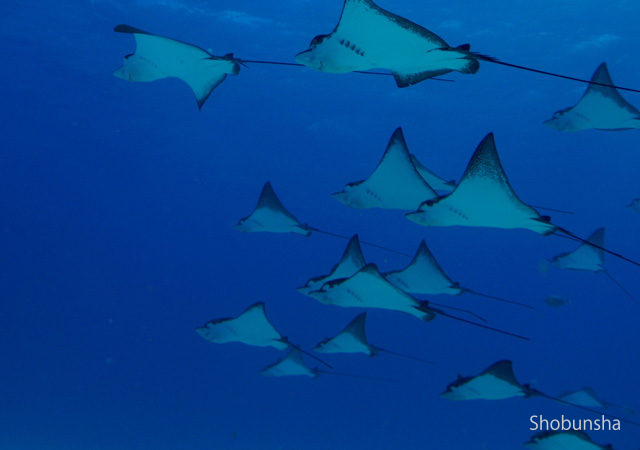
(588, 258)
(441, 185)
(293, 365)
(367, 288)
(353, 339)
(158, 57)
(484, 198)
(586, 396)
(424, 276)
(601, 107)
(394, 184)
(498, 382)
(368, 37)
(560, 440)
(271, 216)
(351, 261)
(251, 327)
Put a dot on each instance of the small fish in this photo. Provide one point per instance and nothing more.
(555, 301)
(634, 205)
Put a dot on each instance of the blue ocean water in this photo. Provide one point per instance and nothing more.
(118, 200)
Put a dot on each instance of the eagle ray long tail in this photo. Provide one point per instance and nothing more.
(622, 288)
(552, 74)
(346, 238)
(606, 250)
(353, 375)
(471, 313)
(497, 330)
(476, 55)
(544, 208)
(402, 355)
(499, 299)
(309, 354)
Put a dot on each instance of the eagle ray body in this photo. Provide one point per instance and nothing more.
(270, 215)
(585, 257)
(601, 108)
(352, 339)
(483, 198)
(394, 184)
(291, 365)
(251, 328)
(497, 382)
(424, 275)
(158, 57)
(367, 288)
(589, 256)
(369, 37)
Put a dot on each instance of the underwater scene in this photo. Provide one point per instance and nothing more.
(337, 224)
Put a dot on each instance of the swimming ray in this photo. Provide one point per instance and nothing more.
(572, 439)
(158, 57)
(584, 397)
(441, 185)
(367, 288)
(394, 184)
(588, 257)
(435, 181)
(587, 397)
(634, 205)
(601, 108)
(585, 257)
(424, 276)
(251, 327)
(484, 198)
(351, 261)
(293, 365)
(353, 339)
(498, 382)
(270, 215)
(369, 37)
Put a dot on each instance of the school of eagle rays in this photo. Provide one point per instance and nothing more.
(370, 40)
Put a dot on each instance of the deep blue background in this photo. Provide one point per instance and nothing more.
(117, 201)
